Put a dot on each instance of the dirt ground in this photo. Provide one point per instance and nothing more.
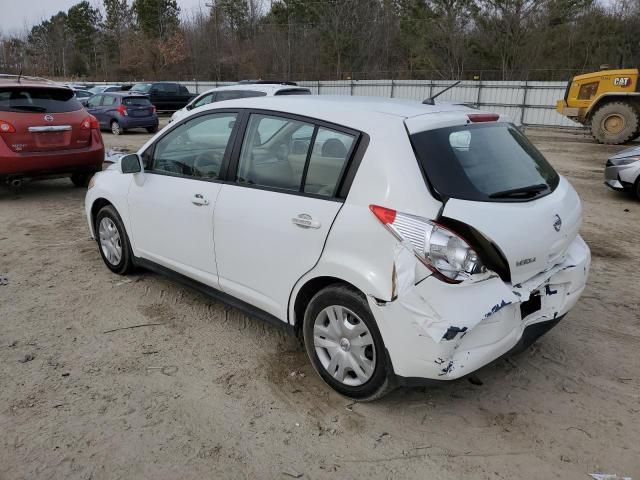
(212, 393)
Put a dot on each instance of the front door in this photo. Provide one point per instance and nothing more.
(172, 202)
(94, 108)
(271, 223)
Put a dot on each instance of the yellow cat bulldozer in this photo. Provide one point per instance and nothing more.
(607, 101)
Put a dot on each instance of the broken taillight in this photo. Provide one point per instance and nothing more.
(441, 250)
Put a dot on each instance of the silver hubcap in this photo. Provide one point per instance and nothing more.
(344, 345)
(115, 128)
(110, 242)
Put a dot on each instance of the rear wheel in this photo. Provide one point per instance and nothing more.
(152, 129)
(344, 344)
(116, 129)
(636, 188)
(81, 179)
(113, 241)
(615, 123)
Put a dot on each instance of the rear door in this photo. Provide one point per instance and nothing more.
(272, 220)
(43, 119)
(171, 203)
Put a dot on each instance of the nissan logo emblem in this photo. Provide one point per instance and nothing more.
(48, 118)
(557, 223)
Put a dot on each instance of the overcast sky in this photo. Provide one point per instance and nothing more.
(20, 15)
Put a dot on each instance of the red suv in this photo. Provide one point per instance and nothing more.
(46, 132)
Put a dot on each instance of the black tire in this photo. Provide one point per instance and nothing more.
(380, 383)
(116, 129)
(623, 118)
(152, 129)
(636, 188)
(125, 265)
(81, 179)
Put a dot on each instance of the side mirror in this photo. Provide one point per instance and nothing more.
(189, 106)
(131, 163)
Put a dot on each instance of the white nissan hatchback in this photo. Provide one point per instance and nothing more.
(404, 242)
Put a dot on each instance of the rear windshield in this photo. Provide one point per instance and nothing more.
(38, 100)
(294, 91)
(484, 162)
(136, 101)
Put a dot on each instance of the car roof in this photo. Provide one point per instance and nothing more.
(125, 93)
(354, 110)
(268, 88)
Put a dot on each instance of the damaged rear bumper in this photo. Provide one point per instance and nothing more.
(434, 330)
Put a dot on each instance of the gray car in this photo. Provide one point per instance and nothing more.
(622, 172)
(121, 111)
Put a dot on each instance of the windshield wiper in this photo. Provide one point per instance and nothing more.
(531, 191)
(30, 108)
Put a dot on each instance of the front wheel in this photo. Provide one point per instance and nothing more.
(615, 123)
(113, 241)
(344, 344)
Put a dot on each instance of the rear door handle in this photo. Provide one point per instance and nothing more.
(305, 221)
(198, 199)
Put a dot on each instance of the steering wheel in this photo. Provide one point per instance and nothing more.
(207, 164)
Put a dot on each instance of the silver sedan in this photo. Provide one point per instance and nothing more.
(622, 171)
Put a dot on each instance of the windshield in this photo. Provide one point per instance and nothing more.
(98, 89)
(142, 87)
(38, 100)
(487, 162)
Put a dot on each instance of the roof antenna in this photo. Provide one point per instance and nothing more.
(19, 75)
(431, 99)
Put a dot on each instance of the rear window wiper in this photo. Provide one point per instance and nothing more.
(531, 190)
(30, 108)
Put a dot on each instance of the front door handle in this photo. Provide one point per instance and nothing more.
(305, 221)
(198, 199)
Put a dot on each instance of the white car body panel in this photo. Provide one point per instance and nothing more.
(430, 328)
(262, 252)
(169, 229)
(544, 247)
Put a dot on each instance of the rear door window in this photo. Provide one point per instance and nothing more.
(294, 155)
(38, 100)
(266, 158)
(328, 161)
(483, 162)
